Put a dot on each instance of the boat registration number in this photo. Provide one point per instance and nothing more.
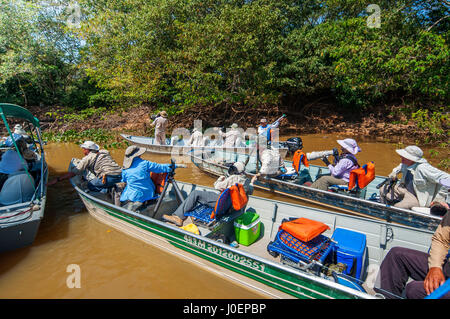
(243, 260)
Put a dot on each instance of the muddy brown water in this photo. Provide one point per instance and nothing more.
(114, 265)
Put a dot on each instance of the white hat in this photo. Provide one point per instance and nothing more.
(412, 153)
(90, 146)
(239, 166)
(18, 129)
(263, 121)
(130, 153)
(350, 145)
(234, 125)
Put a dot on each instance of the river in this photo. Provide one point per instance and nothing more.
(114, 265)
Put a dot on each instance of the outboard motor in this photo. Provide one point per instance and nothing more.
(293, 144)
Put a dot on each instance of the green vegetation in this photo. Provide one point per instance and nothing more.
(105, 138)
(179, 54)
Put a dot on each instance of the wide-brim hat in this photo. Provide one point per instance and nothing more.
(350, 145)
(90, 146)
(163, 113)
(131, 153)
(413, 153)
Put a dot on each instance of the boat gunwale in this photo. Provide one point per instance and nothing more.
(364, 201)
(291, 271)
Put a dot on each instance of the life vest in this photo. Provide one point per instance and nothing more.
(299, 157)
(238, 196)
(362, 176)
(159, 180)
(303, 228)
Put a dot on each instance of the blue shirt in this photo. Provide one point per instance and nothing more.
(140, 187)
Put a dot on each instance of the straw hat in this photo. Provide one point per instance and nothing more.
(412, 153)
(350, 145)
(131, 153)
(163, 113)
(90, 146)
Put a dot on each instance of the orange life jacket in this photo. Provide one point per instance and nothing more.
(299, 157)
(303, 228)
(238, 196)
(362, 176)
(159, 179)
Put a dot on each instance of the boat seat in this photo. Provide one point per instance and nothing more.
(299, 254)
(358, 181)
(224, 214)
(207, 215)
(18, 188)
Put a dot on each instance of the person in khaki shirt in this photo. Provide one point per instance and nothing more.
(99, 163)
(160, 124)
(428, 271)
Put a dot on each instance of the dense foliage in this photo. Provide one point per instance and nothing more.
(182, 53)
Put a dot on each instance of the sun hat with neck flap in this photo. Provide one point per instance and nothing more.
(413, 153)
(131, 153)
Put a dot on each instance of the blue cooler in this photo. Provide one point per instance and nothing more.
(350, 250)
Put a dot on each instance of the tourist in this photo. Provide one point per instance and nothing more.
(232, 136)
(427, 271)
(136, 174)
(196, 138)
(340, 172)
(160, 124)
(106, 172)
(419, 185)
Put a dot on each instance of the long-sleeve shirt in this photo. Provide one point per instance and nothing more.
(343, 168)
(440, 243)
(160, 124)
(230, 137)
(196, 139)
(425, 180)
(99, 163)
(139, 186)
(224, 182)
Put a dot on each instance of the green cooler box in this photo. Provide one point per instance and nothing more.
(247, 228)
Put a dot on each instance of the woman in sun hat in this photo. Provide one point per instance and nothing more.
(419, 185)
(136, 174)
(340, 172)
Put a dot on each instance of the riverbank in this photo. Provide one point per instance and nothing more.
(382, 125)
